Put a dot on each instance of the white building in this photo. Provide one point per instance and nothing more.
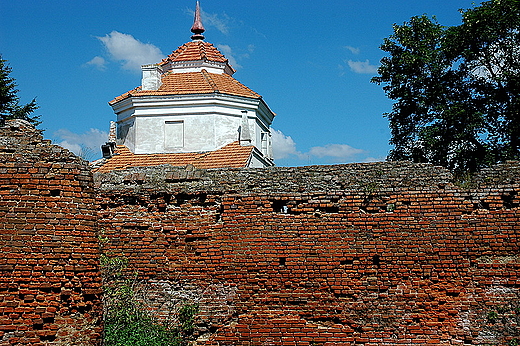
(189, 103)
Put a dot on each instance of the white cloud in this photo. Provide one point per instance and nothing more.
(228, 53)
(362, 66)
(353, 50)
(283, 146)
(84, 144)
(374, 159)
(98, 62)
(216, 21)
(338, 151)
(131, 52)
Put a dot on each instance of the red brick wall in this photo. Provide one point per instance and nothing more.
(363, 254)
(49, 264)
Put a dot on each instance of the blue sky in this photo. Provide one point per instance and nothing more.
(311, 62)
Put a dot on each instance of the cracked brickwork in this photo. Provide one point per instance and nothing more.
(364, 254)
(358, 254)
(49, 264)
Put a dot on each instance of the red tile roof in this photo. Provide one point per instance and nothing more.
(195, 50)
(232, 155)
(187, 83)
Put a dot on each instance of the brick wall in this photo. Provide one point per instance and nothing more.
(361, 254)
(364, 254)
(49, 264)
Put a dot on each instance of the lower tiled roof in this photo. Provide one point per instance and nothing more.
(232, 155)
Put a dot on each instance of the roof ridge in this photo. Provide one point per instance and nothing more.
(211, 82)
(254, 94)
(202, 48)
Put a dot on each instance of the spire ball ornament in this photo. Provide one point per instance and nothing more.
(197, 29)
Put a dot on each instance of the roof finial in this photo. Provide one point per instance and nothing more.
(197, 27)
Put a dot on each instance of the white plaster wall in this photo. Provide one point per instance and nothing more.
(126, 134)
(149, 135)
(226, 129)
(199, 133)
(205, 132)
(210, 121)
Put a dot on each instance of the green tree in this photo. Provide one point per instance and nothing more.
(10, 107)
(488, 44)
(455, 88)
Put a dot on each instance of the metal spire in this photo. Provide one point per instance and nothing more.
(197, 29)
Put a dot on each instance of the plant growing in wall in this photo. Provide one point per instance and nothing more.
(126, 320)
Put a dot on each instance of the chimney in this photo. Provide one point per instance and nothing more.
(112, 134)
(245, 133)
(151, 77)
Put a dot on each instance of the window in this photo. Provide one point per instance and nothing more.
(173, 134)
(265, 138)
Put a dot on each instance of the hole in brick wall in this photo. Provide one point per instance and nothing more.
(48, 337)
(282, 260)
(48, 320)
(130, 200)
(89, 297)
(7, 150)
(452, 293)
(346, 262)
(279, 206)
(38, 326)
(55, 193)
(84, 308)
(507, 199)
(194, 239)
(481, 205)
(196, 199)
(376, 260)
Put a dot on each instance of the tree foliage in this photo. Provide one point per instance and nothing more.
(456, 89)
(10, 107)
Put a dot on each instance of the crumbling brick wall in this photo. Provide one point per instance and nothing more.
(49, 264)
(364, 254)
